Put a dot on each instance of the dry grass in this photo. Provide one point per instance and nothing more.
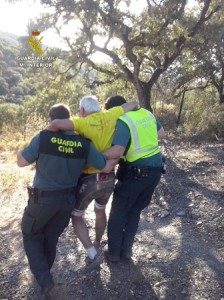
(27, 177)
(11, 139)
(11, 176)
(9, 182)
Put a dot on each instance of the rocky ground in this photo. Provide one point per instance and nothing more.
(178, 252)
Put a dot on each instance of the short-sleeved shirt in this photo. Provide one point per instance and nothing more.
(122, 138)
(99, 128)
(55, 172)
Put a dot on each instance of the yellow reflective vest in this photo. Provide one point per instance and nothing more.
(144, 137)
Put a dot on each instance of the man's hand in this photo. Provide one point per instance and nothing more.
(111, 163)
(61, 124)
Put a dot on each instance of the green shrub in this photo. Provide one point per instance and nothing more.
(203, 116)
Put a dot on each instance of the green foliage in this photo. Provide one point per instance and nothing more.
(167, 114)
(202, 115)
(14, 78)
(138, 51)
(4, 87)
(105, 88)
(175, 48)
(12, 88)
(8, 115)
(58, 91)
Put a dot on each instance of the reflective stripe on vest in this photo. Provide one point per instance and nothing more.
(137, 148)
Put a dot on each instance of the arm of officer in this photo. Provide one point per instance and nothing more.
(61, 124)
(98, 160)
(21, 162)
(29, 154)
(120, 141)
(115, 152)
(129, 106)
(68, 124)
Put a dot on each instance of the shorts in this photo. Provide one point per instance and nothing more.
(94, 186)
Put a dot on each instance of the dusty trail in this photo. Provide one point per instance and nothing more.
(179, 250)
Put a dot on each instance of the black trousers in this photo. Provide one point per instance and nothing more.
(130, 197)
(42, 224)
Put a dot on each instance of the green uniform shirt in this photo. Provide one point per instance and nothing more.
(60, 158)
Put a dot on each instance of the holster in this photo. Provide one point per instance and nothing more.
(121, 170)
(32, 193)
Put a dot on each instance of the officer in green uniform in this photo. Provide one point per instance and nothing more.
(139, 172)
(60, 158)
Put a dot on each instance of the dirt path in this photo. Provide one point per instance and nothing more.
(179, 249)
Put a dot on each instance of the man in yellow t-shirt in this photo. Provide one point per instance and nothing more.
(99, 127)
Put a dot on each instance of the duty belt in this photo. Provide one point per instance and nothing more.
(134, 172)
(141, 172)
(35, 193)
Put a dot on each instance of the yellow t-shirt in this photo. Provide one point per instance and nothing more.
(99, 128)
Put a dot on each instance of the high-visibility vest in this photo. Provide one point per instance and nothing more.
(144, 137)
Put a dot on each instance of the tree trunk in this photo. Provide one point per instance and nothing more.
(144, 94)
(221, 98)
(180, 110)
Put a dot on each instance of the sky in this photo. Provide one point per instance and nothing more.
(15, 16)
